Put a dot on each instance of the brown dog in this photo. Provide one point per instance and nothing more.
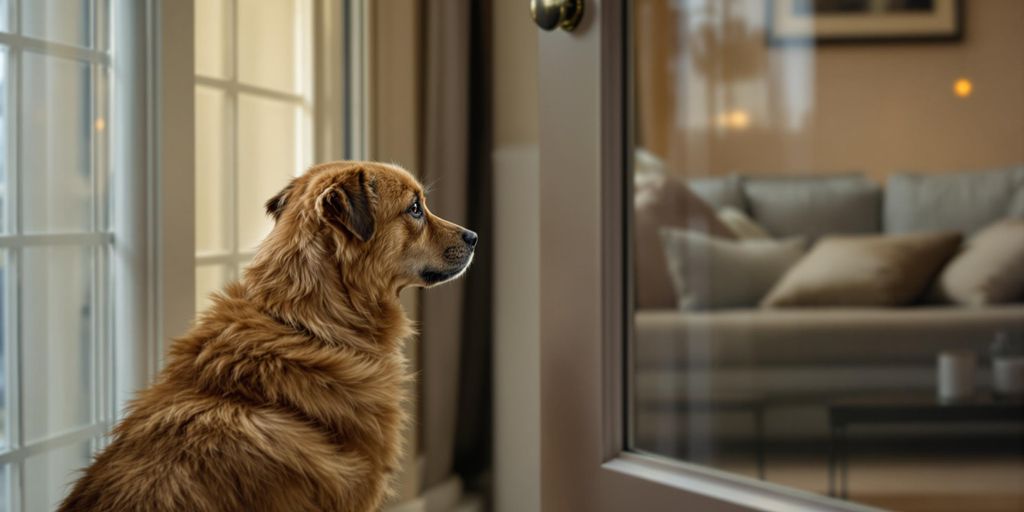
(287, 393)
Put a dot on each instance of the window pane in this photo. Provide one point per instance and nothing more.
(268, 43)
(5, 8)
(48, 476)
(5, 488)
(56, 129)
(56, 339)
(211, 38)
(778, 331)
(4, 155)
(5, 353)
(212, 170)
(62, 21)
(267, 158)
(209, 278)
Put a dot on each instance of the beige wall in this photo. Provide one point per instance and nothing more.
(394, 83)
(873, 107)
(516, 165)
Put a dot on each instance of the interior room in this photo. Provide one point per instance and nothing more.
(709, 255)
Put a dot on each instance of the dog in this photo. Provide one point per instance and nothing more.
(286, 394)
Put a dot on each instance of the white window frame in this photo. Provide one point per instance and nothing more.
(147, 292)
(99, 238)
(233, 257)
(332, 118)
(154, 159)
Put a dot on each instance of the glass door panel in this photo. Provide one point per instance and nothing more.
(826, 235)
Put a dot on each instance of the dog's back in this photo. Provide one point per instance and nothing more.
(218, 432)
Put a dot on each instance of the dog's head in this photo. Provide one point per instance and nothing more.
(377, 217)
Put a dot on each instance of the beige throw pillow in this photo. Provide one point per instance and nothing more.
(990, 268)
(741, 224)
(871, 270)
(662, 201)
(712, 272)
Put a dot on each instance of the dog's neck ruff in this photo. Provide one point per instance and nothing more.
(295, 285)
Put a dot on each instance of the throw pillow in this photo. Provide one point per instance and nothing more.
(661, 202)
(964, 201)
(868, 270)
(815, 206)
(741, 224)
(990, 268)
(718, 273)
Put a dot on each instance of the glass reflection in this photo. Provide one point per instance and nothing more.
(828, 223)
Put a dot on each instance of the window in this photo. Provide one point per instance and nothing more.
(775, 332)
(253, 125)
(56, 400)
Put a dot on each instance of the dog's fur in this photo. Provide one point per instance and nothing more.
(287, 393)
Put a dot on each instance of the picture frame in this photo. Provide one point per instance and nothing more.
(863, 21)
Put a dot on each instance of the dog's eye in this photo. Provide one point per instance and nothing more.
(415, 210)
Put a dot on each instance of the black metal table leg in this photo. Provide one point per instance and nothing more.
(832, 462)
(844, 464)
(759, 432)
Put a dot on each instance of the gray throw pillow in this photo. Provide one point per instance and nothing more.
(718, 273)
(659, 202)
(814, 206)
(960, 201)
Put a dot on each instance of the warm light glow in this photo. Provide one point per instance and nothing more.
(962, 87)
(100, 124)
(735, 120)
(739, 119)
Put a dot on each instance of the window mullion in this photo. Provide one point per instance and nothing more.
(234, 105)
(13, 277)
(16, 408)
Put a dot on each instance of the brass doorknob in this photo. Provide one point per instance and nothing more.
(551, 14)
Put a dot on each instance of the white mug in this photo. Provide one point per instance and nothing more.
(1008, 375)
(956, 374)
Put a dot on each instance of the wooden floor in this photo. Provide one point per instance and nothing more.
(910, 484)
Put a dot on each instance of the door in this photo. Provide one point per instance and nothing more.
(600, 448)
(585, 132)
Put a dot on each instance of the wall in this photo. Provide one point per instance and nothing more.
(394, 83)
(879, 108)
(516, 165)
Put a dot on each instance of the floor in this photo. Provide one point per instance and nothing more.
(974, 483)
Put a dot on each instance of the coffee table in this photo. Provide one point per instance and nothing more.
(906, 408)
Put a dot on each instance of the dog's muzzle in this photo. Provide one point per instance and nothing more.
(457, 259)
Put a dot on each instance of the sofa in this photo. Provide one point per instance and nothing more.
(789, 363)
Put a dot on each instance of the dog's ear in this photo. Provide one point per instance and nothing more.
(275, 205)
(348, 205)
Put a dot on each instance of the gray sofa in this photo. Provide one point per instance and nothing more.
(794, 361)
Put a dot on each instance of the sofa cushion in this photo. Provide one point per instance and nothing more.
(864, 271)
(720, 191)
(815, 205)
(990, 268)
(961, 201)
(664, 202)
(816, 337)
(710, 273)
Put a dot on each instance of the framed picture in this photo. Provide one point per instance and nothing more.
(844, 21)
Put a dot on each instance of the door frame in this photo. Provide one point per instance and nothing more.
(585, 131)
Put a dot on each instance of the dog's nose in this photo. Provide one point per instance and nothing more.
(469, 237)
